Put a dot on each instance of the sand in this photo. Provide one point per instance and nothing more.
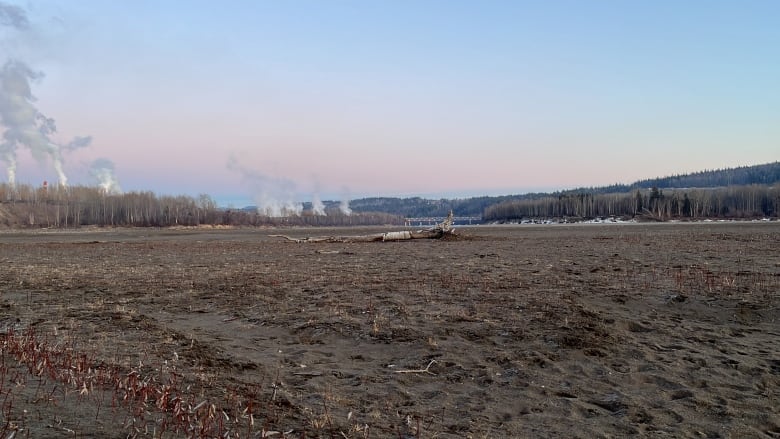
(599, 330)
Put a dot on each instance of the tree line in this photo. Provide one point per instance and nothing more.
(746, 201)
(765, 174)
(745, 192)
(421, 207)
(76, 206)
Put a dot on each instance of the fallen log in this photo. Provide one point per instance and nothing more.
(438, 231)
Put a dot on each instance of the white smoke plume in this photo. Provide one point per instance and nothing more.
(103, 171)
(275, 197)
(13, 16)
(78, 142)
(344, 206)
(317, 206)
(23, 125)
(8, 155)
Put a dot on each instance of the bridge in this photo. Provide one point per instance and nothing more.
(433, 220)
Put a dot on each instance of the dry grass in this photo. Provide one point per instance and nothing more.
(522, 332)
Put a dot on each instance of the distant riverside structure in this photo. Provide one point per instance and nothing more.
(433, 220)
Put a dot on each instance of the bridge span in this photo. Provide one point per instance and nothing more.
(433, 220)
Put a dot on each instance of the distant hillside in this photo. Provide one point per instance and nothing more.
(766, 174)
(421, 207)
(749, 192)
(745, 192)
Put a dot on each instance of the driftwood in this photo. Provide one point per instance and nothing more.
(438, 231)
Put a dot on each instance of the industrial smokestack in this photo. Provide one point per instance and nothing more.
(23, 124)
(14, 17)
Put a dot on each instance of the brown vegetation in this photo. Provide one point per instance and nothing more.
(576, 331)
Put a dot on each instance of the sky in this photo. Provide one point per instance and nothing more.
(271, 101)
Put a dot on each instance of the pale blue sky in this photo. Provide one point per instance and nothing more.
(401, 97)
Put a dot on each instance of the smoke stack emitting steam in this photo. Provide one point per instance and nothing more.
(275, 196)
(23, 124)
(103, 171)
(344, 206)
(317, 207)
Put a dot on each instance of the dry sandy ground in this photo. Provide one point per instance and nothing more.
(651, 330)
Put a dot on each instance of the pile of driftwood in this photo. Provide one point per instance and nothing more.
(438, 231)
